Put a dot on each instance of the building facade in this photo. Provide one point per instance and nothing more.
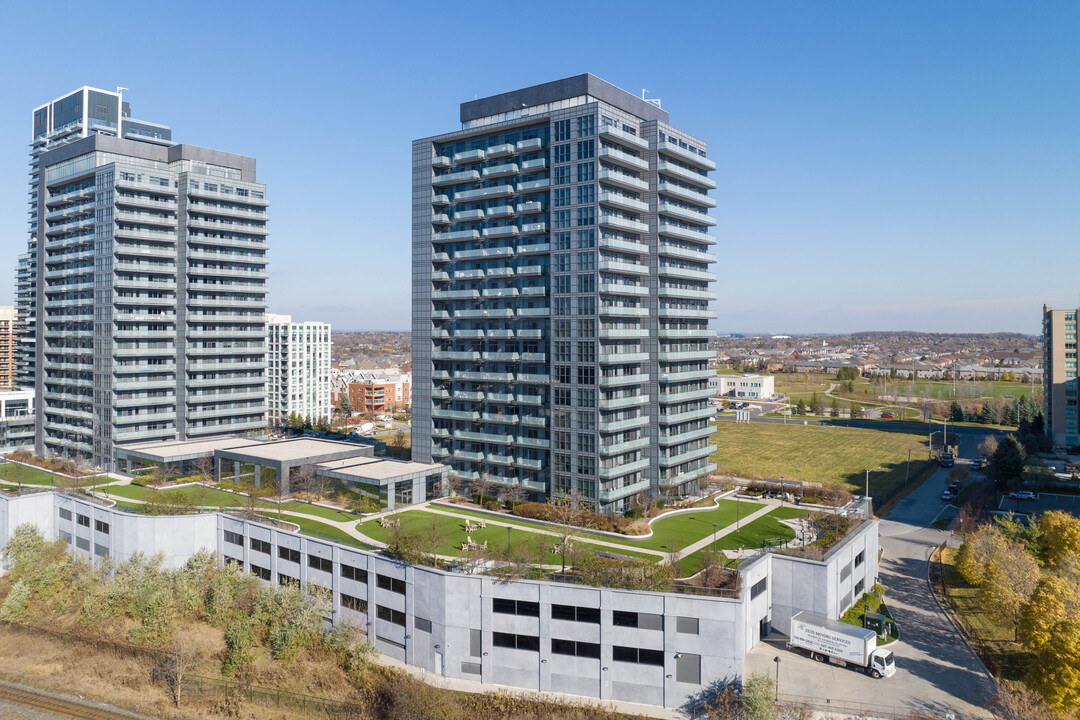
(372, 391)
(756, 387)
(1059, 377)
(298, 377)
(146, 267)
(560, 295)
(8, 330)
(658, 648)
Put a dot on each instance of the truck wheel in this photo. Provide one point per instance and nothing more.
(875, 674)
(817, 657)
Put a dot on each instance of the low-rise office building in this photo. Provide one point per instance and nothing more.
(659, 648)
(752, 387)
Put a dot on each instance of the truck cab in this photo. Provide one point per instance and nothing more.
(882, 664)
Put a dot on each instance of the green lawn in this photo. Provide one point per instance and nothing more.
(323, 512)
(451, 533)
(829, 455)
(12, 473)
(212, 497)
(317, 529)
(751, 535)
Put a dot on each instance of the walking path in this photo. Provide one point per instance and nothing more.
(708, 540)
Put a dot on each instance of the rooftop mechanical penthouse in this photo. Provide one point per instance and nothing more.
(560, 295)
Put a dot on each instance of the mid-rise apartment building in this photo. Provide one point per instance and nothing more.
(298, 377)
(144, 283)
(8, 329)
(1059, 377)
(371, 391)
(561, 295)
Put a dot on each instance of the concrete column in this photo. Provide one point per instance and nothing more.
(284, 479)
(258, 476)
(419, 490)
(391, 491)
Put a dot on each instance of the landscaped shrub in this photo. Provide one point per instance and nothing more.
(579, 518)
(492, 505)
(142, 480)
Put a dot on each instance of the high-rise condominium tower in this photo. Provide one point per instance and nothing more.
(144, 284)
(560, 295)
(1059, 376)
(298, 380)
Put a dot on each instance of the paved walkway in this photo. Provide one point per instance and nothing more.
(734, 527)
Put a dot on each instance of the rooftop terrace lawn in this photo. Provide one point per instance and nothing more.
(12, 473)
(452, 532)
(317, 529)
(751, 535)
(323, 512)
(829, 455)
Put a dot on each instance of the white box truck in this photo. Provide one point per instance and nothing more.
(840, 643)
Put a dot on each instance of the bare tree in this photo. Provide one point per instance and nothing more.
(204, 467)
(564, 512)
(181, 659)
(455, 483)
(481, 486)
(515, 493)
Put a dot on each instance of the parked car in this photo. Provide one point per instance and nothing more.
(887, 415)
(947, 459)
(976, 465)
(947, 495)
(1022, 495)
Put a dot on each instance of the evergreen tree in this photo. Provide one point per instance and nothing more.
(834, 408)
(956, 412)
(817, 406)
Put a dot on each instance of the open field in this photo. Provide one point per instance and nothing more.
(829, 455)
(993, 640)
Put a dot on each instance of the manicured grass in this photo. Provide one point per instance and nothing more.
(323, 512)
(942, 523)
(830, 455)
(789, 512)
(751, 535)
(317, 529)
(211, 497)
(993, 639)
(13, 474)
(451, 533)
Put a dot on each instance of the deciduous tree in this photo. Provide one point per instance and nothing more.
(1049, 629)
(1060, 537)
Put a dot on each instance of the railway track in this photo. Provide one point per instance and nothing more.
(66, 708)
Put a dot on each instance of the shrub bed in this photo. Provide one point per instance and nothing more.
(579, 518)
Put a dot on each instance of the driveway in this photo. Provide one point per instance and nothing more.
(936, 672)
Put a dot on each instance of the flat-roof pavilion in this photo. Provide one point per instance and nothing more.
(391, 482)
(176, 453)
(281, 456)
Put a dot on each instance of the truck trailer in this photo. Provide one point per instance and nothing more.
(841, 644)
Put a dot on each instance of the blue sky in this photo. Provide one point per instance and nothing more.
(880, 165)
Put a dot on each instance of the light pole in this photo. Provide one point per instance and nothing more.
(867, 493)
(932, 443)
(737, 513)
(777, 661)
(907, 472)
(714, 526)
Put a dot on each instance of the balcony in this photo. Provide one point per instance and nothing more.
(621, 223)
(685, 293)
(441, 162)
(620, 311)
(503, 170)
(623, 158)
(688, 395)
(686, 355)
(529, 145)
(498, 151)
(624, 402)
(606, 473)
(455, 414)
(622, 289)
(610, 132)
(687, 456)
(690, 195)
(534, 249)
(500, 211)
(686, 214)
(620, 425)
(698, 434)
(682, 253)
(625, 491)
(501, 418)
(529, 208)
(623, 380)
(681, 333)
(637, 248)
(533, 312)
(455, 294)
(500, 252)
(456, 178)
(440, 219)
(627, 182)
(503, 313)
(704, 373)
(484, 193)
(686, 175)
(500, 292)
(624, 268)
(536, 228)
(470, 156)
(624, 333)
(686, 156)
(695, 414)
(692, 235)
(469, 216)
(687, 313)
(534, 165)
(440, 199)
(541, 184)
(623, 358)
(501, 231)
(686, 273)
(623, 202)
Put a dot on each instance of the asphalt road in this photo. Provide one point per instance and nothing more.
(936, 672)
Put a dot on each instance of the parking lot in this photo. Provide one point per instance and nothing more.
(1043, 502)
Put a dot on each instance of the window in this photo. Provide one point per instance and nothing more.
(260, 572)
(586, 125)
(644, 621)
(586, 216)
(586, 398)
(586, 305)
(686, 625)
(561, 175)
(562, 263)
(560, 219)
(586, 194)
(284, 579)
(586, 466)
(561, 396)
(637, 655)
(259, 545)
(391, 616)
(561, 306)
(578, 649)
(65, 514)
(101, 527)
(561, 240)
(688, 668)
(234, 538)
(859, 586)
(318, 563)
(562, 374)
(561, 351)
(84, 544)
(586, 375)
(233, 561)
(586, 282)
(586, 172)
(560, 197)
(758, 587)
(586, 238)
(519, 642)
(586, 443)
(353, 603)
(515, 607)
(586, 260)
(422, 625)
(561, 463)
(585, 149)
(475, 643)
(561, 284)
(845, 572)
(83, 520)
(586, 351)
(101, 550)
(560, 130)
(354, 573)
(385, 582)
(288, 554)
(561, 153)
(574, 613)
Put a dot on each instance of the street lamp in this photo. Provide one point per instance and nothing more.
(714, 526)
(777, 661)
(932, 443)
(737, 513)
